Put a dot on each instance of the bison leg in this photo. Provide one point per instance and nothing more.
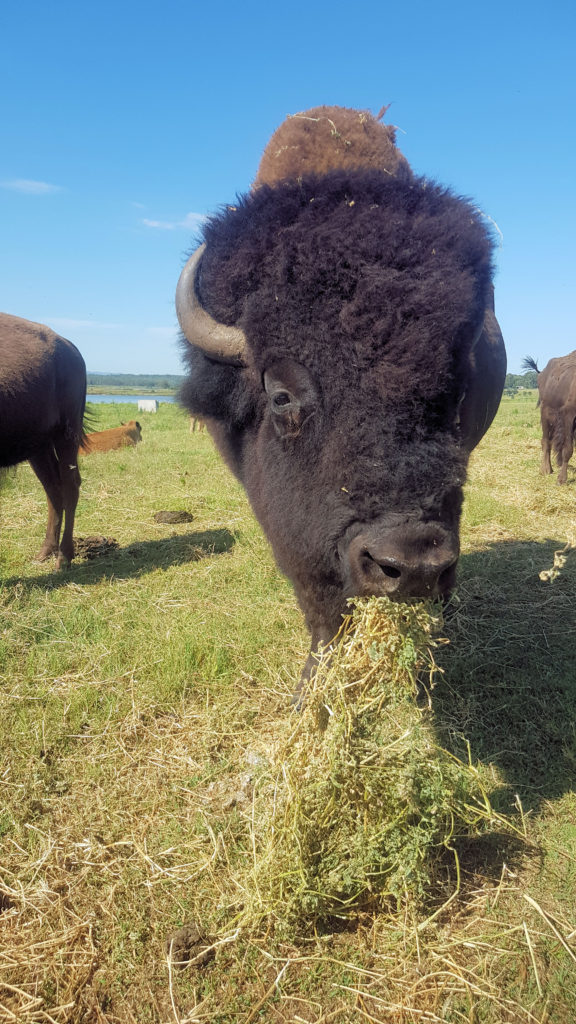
(45, 466)
(565, 452)
(310, 666)
(547, 437)
(58, 473)
(546, 463)
(319, 648)
(324, 617)
(67, 452)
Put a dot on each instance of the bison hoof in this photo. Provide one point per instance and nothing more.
(45, 553)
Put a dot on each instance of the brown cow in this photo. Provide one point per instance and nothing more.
(557, 401)
(125, 436)
(42, 398)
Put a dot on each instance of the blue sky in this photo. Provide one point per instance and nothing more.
(124, 123)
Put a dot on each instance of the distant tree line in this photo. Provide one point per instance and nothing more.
(521, 380)
(142, 381)
(172, 381)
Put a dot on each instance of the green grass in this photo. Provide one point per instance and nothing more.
(138, 692)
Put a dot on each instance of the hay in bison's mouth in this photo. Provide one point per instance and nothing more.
(357, 803)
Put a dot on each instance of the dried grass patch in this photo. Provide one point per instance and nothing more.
(117, 833)
(47, 952)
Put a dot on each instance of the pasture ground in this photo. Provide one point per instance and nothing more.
(138, 690)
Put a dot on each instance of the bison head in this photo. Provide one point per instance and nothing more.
(335, 329)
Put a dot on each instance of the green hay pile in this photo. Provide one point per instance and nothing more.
(357, 803)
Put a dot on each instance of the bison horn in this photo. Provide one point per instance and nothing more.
(219, 341)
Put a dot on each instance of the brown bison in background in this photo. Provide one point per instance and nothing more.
(42, 399)
(342, 347)
(125, 436)
(557, 401)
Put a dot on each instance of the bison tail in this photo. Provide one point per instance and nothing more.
(89, 424)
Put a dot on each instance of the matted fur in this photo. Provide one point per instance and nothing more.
(328, 138)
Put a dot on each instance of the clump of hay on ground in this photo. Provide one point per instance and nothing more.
(357, 803)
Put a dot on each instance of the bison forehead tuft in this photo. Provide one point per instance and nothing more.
(352, 266)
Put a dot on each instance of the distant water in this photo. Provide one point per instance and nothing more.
(129, 398)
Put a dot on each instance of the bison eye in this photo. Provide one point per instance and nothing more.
(280, 400)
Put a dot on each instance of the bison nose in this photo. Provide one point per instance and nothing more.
(419, 561)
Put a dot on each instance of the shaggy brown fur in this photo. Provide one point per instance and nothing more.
(326, 139)
(557, 390)
(42, 399)
(125, 436)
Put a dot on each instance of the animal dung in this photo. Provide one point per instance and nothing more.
(95, 546)
(190, 946)
(358, 804)
(173, 517)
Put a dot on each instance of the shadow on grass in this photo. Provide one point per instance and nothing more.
(134, 560)
(509, 672)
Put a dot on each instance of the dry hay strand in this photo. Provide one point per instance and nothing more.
(357, 803)
(560, 559)
(44, 970)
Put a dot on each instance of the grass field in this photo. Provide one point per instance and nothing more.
(139, 692)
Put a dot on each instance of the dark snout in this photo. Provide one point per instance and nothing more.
(411, 560)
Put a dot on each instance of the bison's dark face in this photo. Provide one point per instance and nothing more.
(357, 497)
(333, 369)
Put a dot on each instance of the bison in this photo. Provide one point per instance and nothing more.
(125, 436)
(42, 399)
(557, 401)
(338, 325)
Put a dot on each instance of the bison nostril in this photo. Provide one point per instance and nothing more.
(391, 571)
(372, 564)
